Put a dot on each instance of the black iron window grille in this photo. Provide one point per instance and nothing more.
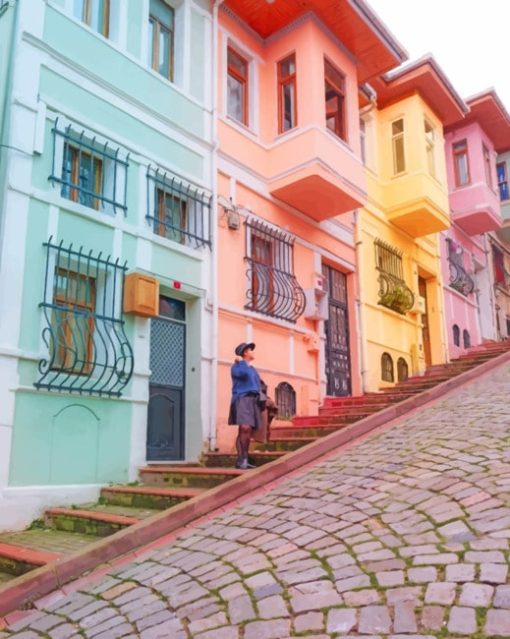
(90, 173)
(273, 289)
(460, 280)
(393, 291)
(285, 398)
(88, 350)
(178, 211)
(402, 369)
(387, 373)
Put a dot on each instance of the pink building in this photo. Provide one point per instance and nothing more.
(475, 211)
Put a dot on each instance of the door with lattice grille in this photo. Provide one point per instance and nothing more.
(165, 429)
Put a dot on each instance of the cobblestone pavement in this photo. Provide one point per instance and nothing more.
(403, 535)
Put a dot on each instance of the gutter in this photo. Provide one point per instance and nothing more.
(214, 233)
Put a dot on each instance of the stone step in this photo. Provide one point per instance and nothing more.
(228, 460)
(187, 476)
(17, 560)
(91, 521)
(305, 431)
(359, 411)
(335, 419)
(286, 444)
(151, 497)
(5, 577)
(48, 540)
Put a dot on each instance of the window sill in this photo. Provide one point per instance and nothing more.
(240, 126)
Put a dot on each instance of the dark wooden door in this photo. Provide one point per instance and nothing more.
(427, 352)
(165, 428)
(338, 358)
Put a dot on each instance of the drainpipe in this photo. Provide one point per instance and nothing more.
(214, 232)
(360, 311)
(6, 113)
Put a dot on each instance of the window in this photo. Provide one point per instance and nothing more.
(460, 280)
(161, 38)
(237, 87)
(461, 163)
(88, 350)
(95, 13)
(456, 335)
(397, 144)
(466, 338)
(402, 369)
(285, 399)
(287, 106)
(92, 173)
(504, 193)
(334, 83)
(393, 291)
(363, 140)
(430, 142)
(387, 374)
(498, 261)
(488, 165)
(272, 287)
(176, 210)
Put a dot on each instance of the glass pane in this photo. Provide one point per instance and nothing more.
(172, 308)
(164, 52)
(150, 51)
(462, 169)
(288, 66)
(399, 164)
(237, 64)
(397, 127)
(235, 98)
(97, 16)
(79, 9)
(163, 13)
(333, 75)
(288, 106)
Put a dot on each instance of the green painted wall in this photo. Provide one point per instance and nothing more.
(120, 72)
(198, 58)
(58, 439)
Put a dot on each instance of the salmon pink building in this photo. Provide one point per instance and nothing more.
(468, 253)
(290, 176)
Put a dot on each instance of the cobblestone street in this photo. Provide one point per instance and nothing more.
(403, 535)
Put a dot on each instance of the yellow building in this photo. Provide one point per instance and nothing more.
(401, 300)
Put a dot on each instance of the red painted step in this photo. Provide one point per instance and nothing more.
(26, 555)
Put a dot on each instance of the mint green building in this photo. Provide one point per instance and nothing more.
(106, 300)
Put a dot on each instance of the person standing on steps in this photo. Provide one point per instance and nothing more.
(244, 406)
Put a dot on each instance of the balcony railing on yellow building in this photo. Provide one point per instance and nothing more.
(393, 291)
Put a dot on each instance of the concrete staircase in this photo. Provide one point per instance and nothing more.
(63, 531)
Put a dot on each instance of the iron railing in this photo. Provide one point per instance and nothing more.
(88, 350)
(285, 399)
(3, 5)
(178, 211)
(393, 291)
(98, 184)
(273, 289)
(460, 280)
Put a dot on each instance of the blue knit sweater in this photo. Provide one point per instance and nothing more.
(245, 379)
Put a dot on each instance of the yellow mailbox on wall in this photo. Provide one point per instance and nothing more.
(141, 295)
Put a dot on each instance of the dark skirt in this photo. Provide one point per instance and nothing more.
(245, 410)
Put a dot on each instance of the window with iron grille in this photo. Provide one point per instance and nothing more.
(402, 369)
(466, 338)
(178, 211)
(89, 172)
(393, 291)
(387, 373)
(272, 287)
(88, 350)
(460, 280)
(456, 335)
(285, 398)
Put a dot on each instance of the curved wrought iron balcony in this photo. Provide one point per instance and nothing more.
(394, 293)
(274, 292)
(460, 280)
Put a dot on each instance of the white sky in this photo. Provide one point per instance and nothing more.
(468, 38)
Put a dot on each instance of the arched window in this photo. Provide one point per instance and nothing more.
(285, 400)
(466, 338)
(402, 370)
(456, 335)
(387, 368)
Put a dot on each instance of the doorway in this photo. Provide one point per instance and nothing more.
(165, 428)
(425, 330)
(338, 358)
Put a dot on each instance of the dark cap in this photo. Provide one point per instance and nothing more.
(243, 346)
